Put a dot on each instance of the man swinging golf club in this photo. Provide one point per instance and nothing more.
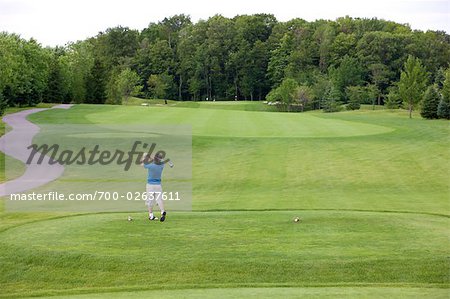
(155, 168)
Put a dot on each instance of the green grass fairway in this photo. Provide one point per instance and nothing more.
(371, 188)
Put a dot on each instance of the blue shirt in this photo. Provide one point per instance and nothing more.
(154, 173)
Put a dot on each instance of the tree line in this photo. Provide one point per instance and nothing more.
(298, 65)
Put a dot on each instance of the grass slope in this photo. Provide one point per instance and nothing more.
(371, 188)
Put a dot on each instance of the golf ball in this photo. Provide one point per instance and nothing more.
(296, 219)
(130, 218)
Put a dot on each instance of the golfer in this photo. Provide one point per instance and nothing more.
(154, 190)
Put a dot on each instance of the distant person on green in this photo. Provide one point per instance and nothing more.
(155, 168)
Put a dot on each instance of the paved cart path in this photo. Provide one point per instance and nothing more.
(15, 143)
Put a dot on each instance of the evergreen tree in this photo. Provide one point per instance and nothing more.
(439, 78)
(96, 84)
(55, 93)
(3, 104)
(393, 98)
(355, 96)
(443, 110)
(430, 103)
(332, 101)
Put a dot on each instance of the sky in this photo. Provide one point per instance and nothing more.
(56, 22)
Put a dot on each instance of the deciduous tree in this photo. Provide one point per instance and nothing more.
(128, 83)
(412, 83)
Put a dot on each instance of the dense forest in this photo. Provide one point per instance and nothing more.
(297, 64)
